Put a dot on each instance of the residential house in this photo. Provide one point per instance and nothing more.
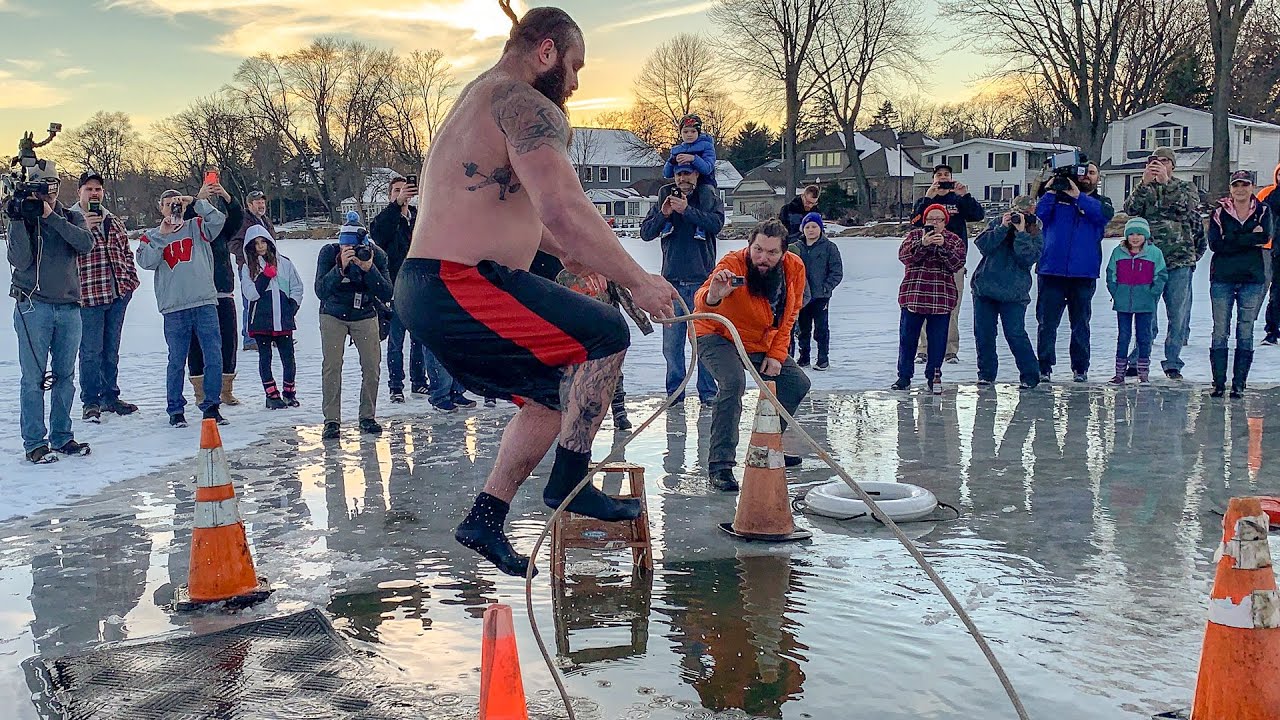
(608, 159)
(623, 208)
(1255, 146)
(889, 169)
(375, 195)
(762, 192)
(996, 171)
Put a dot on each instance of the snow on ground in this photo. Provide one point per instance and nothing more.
(864, 321)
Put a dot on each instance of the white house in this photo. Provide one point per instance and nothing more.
(996, 171)
(376, 195)
(1255, 146)
(610, 159)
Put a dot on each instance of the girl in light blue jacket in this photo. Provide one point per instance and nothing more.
(1136, 276)
(271, 285)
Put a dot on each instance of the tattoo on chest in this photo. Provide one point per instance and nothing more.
(504, 177)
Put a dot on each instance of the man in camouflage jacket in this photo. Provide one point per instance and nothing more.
(1172, 208)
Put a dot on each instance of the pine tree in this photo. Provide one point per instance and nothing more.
(753, 146)
(884, 117)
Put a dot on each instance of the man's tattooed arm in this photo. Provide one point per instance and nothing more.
(528, 119)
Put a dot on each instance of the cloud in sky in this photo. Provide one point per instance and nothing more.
(21, 93)
(680, 10)
(71, 72)
(282, 25)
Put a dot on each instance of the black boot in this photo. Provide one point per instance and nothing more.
(569, 469)
(482, 531)
(1240, 374)
(1218, 365)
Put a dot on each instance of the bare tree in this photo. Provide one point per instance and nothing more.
(1099, 59)
(1257, 66)
(651, 130)
(422, 92)
(917, 113)
(721, 118)
(858, 42)
(584, 149)
(679, 76)
(768, 40)
(327, 101)
(1226, 18)
(103, 143)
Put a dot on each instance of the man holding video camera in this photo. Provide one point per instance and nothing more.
(1074, 217)
(352, 281)
(44, 241)
(687, 218)
(108, 278)
(963, 208)
(1172, 207)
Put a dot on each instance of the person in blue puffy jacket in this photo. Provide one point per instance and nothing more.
(697, 149)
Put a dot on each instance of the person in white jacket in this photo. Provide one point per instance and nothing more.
(273, 289)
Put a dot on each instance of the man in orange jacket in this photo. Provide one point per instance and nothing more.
(1269, 196)
(760, 289)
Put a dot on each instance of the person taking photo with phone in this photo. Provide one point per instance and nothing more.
(962, 208)
(928, 294)
(108, 278)
(760, 289)
(180, 253)
(686, 219)
(224, 281)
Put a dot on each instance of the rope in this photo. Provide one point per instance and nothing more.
(768, 394)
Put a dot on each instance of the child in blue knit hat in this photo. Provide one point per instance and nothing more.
(697, 150)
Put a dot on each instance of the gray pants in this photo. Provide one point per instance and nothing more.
(333, 345)
(721, 358)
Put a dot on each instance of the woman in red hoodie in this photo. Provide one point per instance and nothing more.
(933, 255)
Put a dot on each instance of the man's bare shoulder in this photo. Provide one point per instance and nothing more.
(528, 119)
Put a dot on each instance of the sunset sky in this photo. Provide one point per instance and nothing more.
(65, 59)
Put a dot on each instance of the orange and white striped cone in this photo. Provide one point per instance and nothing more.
(221, 565)
(764, 507)
(1240, 662)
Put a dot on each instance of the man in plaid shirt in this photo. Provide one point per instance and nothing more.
(108, 278)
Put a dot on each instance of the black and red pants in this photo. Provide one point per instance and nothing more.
(505, 333)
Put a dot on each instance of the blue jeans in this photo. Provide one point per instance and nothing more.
(1224, 296)
(1075, 296)
(443, 386)
(244, 320)
(935, 328)
(1013, 316)
(100, 352)
(1177, 310)
(395, 357)
(46, 330)
(673, 339)
(178, 328)
(1134, 324)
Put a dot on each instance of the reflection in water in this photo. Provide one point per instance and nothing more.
(733, 628)
(586, 605)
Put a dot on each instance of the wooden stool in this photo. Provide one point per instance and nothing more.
(578, 531)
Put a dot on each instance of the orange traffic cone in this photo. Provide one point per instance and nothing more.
(1240, 662)
(764, 507)
(501, 689)
(221, 566)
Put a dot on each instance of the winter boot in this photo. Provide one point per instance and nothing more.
(274, 401)
(197, 389)
(291, 395)
(228, 398)
(1144, 370)
(1218, 364)
(1240, 374)
(1122, 365)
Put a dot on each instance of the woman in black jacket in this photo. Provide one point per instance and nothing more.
(1239, 228)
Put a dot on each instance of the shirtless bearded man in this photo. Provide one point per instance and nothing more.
(498, 186)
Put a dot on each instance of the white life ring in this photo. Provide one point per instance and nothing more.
(900, 501)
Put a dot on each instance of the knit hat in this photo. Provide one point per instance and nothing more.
(1137, 226)
(1165, 153)
(692, 121)
(933, 207)
(351, 233)
(813, 217)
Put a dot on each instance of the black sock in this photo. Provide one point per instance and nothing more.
(569, 470)
(482, 531)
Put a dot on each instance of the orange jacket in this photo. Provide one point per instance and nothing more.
(1265, 192)
(751, 315)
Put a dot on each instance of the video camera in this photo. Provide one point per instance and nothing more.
(22, 194)
(1067, 168)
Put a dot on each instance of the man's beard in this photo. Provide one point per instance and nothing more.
(1086, 185)
(552, 85)
(764, 284)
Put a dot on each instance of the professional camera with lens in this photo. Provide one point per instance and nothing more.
(1067, 168)
(23, 188)
(364, 253)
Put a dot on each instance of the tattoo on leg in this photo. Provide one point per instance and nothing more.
(585, 392)
(504, 177)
